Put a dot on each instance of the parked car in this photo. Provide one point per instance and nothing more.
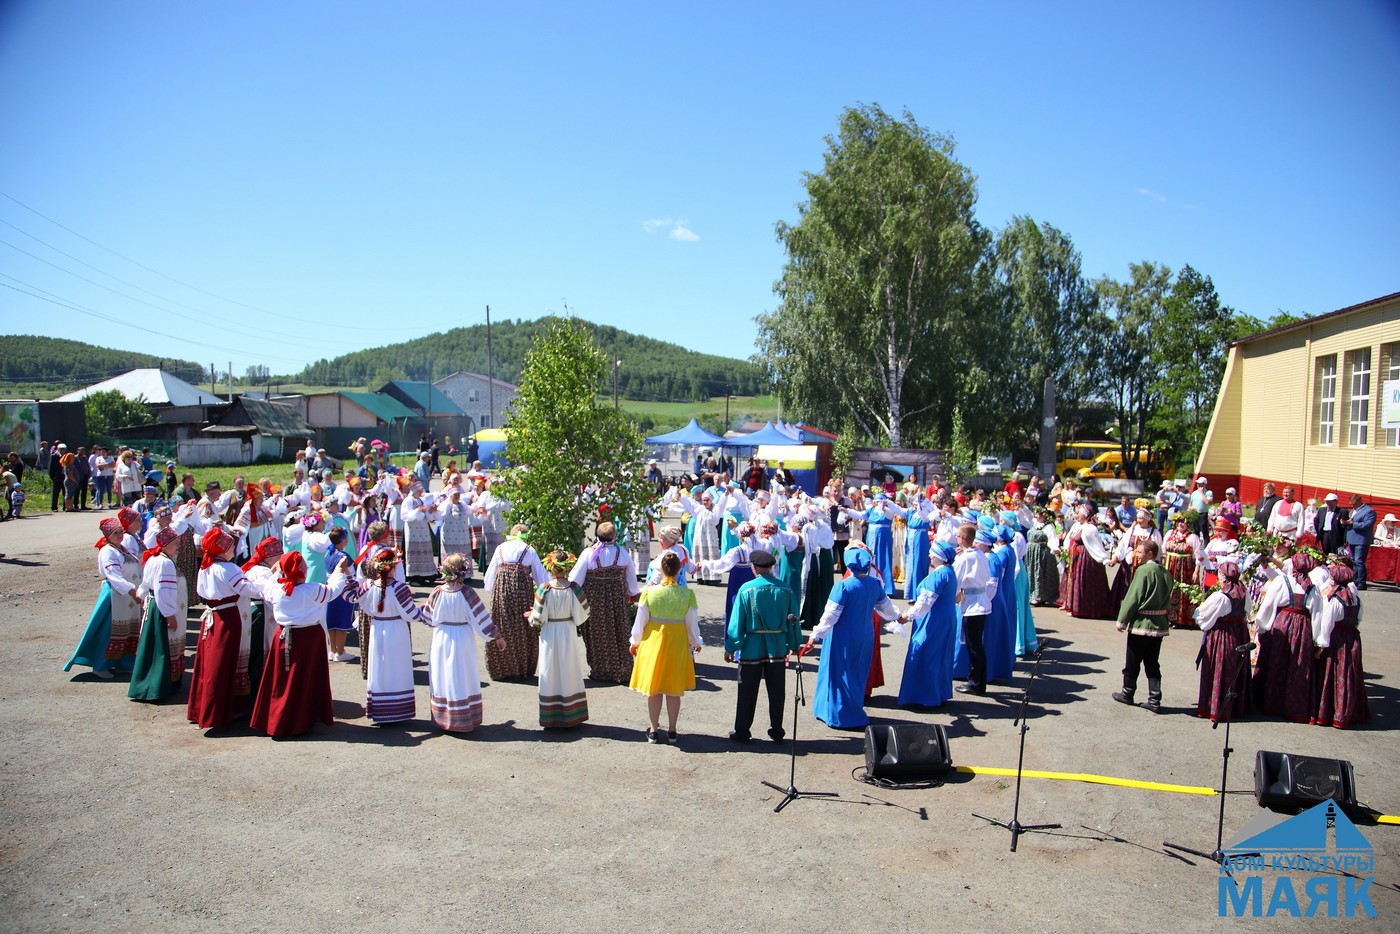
(1027, 469)
(987, 466)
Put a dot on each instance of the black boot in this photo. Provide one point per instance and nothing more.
(1124, 696)
(1154, 695)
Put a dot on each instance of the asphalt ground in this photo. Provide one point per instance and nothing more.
(124, 816)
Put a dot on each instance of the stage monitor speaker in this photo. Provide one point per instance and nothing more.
(1284, 781)
(907, 752)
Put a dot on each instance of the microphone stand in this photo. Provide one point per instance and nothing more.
(1015, 826)
(1217, 855)
(790, 793)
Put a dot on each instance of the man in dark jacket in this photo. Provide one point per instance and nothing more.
(1361, 528)
(1329, 526)
(56, 473)
(1265, 506)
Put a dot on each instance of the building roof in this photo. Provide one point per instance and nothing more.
(274, 419)
(156, 387)
(425, 396)
(1307, 322)
(500, 383)
(385, 408)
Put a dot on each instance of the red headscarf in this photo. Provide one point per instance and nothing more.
(255, 493)
(293, 567)
(1303, 563)
(267, 548)
(214, 543)
(163, 537)
(126, 515)
(109, 526)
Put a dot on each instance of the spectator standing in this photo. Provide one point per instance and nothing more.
(1361, 527)
(56, 473)
(1285, 516)
(82, 470)
(147, 465)
(1232, 510)
(10, 483)
(129, 476)
(42, 462)
(1265, 507)
(1328, 525)
(102, 474)
(1125, 511)
(16, 466)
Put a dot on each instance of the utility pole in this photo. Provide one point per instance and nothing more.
(490, 376)
(726, 406)
(616, 364)
(230, 381)
(213, 380)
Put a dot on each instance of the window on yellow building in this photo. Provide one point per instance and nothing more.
(1392, 372)
(1359, 408)
(1326, 389)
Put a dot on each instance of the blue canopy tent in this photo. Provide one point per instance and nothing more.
(690, 434)
(768, 434)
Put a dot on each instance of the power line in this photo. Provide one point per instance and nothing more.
(208, 314)
(64, 303)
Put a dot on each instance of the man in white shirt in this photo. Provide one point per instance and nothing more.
(1284, 520)
(976, 589)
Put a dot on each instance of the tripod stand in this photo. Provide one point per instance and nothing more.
(1217, 855)
(1015, 826)
(790, 793)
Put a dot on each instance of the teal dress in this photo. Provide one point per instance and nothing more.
(92, 647)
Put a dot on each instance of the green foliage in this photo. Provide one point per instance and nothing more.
(1042, 323)
(651, 369)
(876, 294)
(1130, 324)
(843, 449)
(572, 455)
(71, 364)
(1189, 347)
(962, 456)
(110, 410)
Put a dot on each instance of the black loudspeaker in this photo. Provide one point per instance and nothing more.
(907, 752)
(1284, 781)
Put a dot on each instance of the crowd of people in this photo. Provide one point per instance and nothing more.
(285, 573)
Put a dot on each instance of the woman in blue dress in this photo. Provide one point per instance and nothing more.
(928, 668)
(879, 536)
(848, 640)
(916, 549)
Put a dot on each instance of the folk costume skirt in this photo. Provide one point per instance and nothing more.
(665, 664)
(563, 702)
(512, 598)
(454, 678)
(213, 701)
(294, 692)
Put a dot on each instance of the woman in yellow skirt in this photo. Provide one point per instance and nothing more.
(665, 639)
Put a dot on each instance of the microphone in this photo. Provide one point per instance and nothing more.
(1246, 648)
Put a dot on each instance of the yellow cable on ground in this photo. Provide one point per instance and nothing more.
(1088, 777)
(1387, 819)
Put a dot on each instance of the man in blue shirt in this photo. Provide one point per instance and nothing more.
(1125, 511)
(1361, 528)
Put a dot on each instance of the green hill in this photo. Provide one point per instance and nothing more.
(651, 369)
(51, 362)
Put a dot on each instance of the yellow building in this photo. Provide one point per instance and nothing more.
(1308, 404)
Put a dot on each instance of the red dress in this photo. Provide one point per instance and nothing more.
(212, 700)
(1285, 680)
(1339, 684)
(295, 691)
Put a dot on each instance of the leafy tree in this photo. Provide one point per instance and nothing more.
(1189, 348)
(876, 290)
(110, 410)
(257, 373)
(1045, 304)
(1133, 312)
(572, 456)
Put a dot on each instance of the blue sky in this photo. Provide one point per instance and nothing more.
(301, 179)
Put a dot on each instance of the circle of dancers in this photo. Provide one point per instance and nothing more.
(285, 574)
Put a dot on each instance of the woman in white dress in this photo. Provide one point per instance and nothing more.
(454, 676)
(419, 512)
(558, 612)
(455, 533)
(390, 696)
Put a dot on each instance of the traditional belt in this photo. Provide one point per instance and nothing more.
(222, 602)
(559, 619)
(1152, 612)
(384, 619)
(971, 592)
(765, 632)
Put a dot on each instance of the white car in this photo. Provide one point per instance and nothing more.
(988, 466)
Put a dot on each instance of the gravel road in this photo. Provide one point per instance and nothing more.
(121, 816)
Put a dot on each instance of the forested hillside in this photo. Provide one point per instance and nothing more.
(650, 369)
(52, 360)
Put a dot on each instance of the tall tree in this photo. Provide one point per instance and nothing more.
(109, 410)
(875, 291)
(1130, 323)
(1188, 356)
(570, 455)
(1043, 299)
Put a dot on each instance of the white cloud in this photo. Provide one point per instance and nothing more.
(1149, 193)
(678, 229)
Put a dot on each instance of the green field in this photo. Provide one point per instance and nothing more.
(659, 417)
